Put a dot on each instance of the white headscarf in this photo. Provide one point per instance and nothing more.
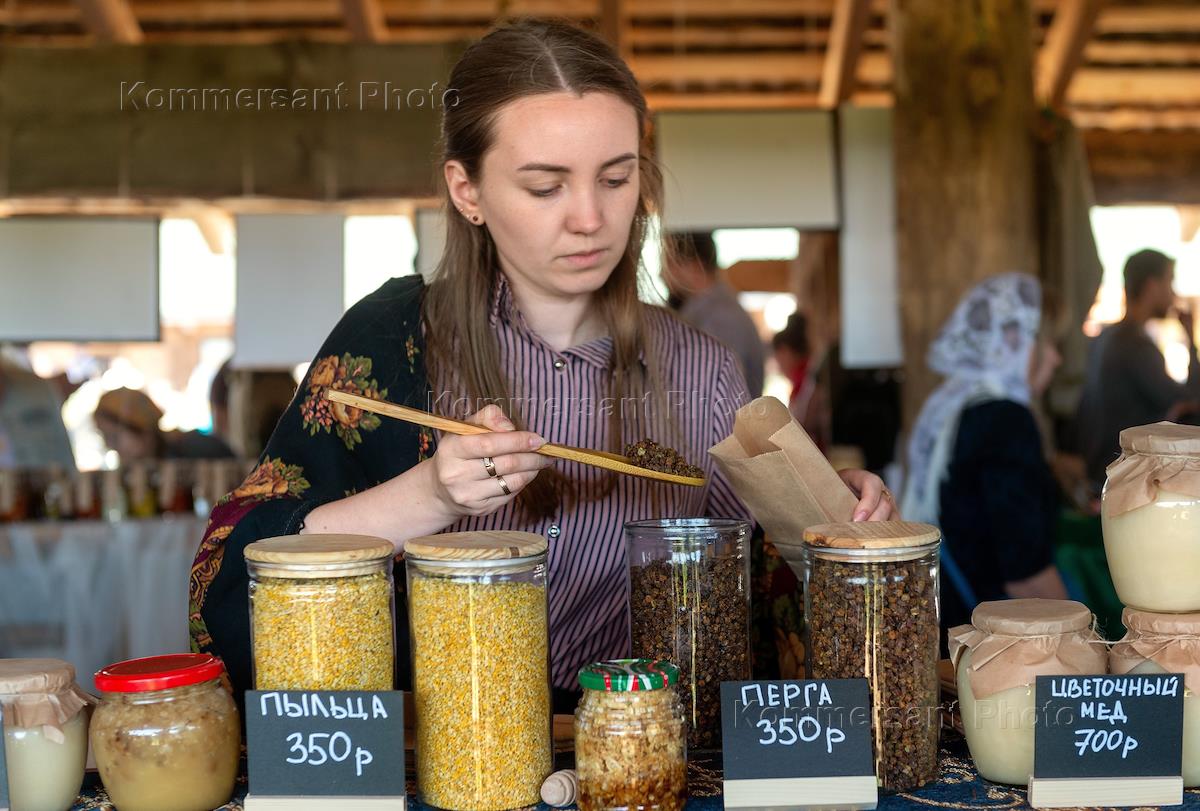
(983, 351)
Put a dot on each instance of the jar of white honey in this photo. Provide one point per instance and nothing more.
(1151, 517)
(997, 660)
(45, 733)
(1167, 643)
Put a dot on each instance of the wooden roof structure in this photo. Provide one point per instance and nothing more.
(1118, 65)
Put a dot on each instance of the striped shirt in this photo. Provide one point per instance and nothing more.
(562, 398)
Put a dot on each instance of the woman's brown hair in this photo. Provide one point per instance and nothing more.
(521, 59)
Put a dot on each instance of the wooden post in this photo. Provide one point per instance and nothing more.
(964, 160)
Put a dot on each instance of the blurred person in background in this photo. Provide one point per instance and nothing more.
(793, 353)
(707, 302)
(32, 434)
(218, 402)
(1127, 382)
(128, 421)
(976, 463)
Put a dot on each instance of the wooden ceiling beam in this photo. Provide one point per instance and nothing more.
(236, 12)
(1062, 52)
(764, 68)
(1131, 119)
(1134, 53)
(850, 18)
(1146, 87)
(1144, 167)
(337, 34)
(742, 35)
(723, 9)
(571, 9)
(668, 69)
(111, 21)
(20, 14)
(365, 20)
(663, 101)
(1147, 19)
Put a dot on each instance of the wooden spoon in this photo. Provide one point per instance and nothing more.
(609, 461)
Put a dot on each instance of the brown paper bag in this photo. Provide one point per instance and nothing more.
(781, 476)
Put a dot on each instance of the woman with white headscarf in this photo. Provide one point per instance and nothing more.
(975, 459)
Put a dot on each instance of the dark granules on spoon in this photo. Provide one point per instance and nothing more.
(649, 454)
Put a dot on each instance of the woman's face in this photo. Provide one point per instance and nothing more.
(557, 190)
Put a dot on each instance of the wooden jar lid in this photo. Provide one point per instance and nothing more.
(482, 545)
(871, 535)
(316, 556)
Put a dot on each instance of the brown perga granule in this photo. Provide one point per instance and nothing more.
(694, 613)
(879, 621)
(649, 454)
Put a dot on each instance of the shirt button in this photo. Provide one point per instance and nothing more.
(554, 531)
(560, 364)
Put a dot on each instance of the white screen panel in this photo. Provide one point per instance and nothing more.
(78, 279)
(431, 240)
(289, 287)
(870, 296)
(747, 170)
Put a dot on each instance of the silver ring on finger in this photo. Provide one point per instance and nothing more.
(503, 485)
(489, 464)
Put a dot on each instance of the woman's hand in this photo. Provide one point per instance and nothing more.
(477, 475)
(875, 502)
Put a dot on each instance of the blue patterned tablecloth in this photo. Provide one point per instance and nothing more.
(959, 786)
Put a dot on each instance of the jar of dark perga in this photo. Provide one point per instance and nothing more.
(871, 610)
(689, 591)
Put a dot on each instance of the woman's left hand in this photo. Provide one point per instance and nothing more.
(875, 501)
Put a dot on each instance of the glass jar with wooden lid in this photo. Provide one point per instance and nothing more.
(1166, 643)
(1151, 518)
(322, 612)
(480, 664)
(871, 611)
(689, 604)
(997, 659)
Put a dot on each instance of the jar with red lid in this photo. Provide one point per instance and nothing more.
(166, 734)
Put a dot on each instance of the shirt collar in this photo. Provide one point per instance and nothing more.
(504, 310)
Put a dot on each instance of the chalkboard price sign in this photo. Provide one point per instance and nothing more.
(798, 744)
(322, 744)
(1108, 740)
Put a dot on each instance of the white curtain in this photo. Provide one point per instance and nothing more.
(94, 593)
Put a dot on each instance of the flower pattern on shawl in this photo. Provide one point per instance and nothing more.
(351, 375)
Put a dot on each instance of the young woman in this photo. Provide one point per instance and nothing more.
(531, 327)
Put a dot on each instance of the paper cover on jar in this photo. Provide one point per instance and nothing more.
(40, 693)
(1012, 642)
(1171, 641)
(1162, 456)
(777, 470)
